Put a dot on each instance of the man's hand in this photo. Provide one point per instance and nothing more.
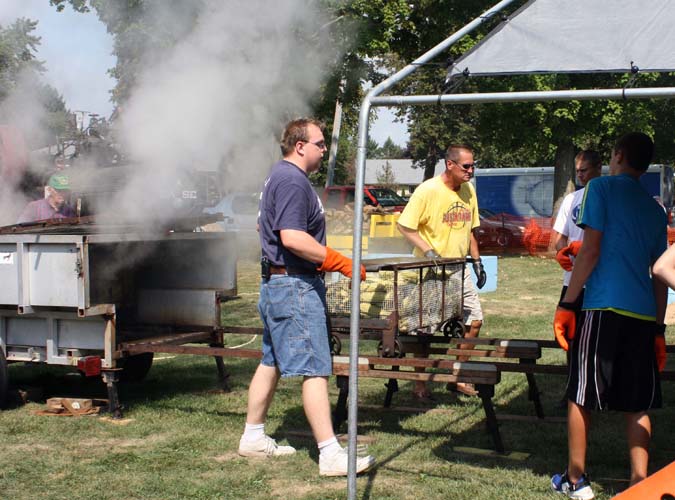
(660, 347)
(435, 272)
(480, 273)
(563, 255)
(335, 261)
(564, 324)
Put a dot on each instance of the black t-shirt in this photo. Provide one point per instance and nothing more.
(288, 201)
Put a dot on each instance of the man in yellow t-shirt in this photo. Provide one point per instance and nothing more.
(439, 221)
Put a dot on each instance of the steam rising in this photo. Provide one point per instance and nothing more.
(22, 110)
(215, 101)
(218, 99)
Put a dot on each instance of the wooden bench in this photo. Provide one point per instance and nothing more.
(483, 375)
(505, 354)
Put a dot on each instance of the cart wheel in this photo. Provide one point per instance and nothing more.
(4, 378)
(453, 329)
(335, 345)
(136, 367)
(398, 351)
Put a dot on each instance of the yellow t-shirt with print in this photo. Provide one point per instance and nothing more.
(443, 218)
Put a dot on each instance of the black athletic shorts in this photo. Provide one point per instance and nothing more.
(613, 365)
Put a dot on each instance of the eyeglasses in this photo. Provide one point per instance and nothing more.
(318, 144)
(465, 166)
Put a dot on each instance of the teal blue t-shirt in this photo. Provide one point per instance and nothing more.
(634, 235)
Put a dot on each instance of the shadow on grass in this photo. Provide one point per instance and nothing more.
(188, 375)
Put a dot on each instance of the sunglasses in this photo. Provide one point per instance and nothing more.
(465, 166)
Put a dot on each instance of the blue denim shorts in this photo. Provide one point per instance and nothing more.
(295, 338)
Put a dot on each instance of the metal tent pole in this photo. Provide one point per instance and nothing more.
(358, 223)
(535, 96)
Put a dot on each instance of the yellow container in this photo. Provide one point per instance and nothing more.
(343, 242)
(384, 226)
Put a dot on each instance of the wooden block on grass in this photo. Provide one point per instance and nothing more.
(78, 404)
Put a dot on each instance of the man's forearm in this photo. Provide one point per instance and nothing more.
(303, 245)
(414, 238)
(583, 267)
(560, 240)
(474, 250)
(661, 296)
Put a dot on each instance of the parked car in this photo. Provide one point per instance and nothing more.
(240, 210)
(338, 196)
(502, 230)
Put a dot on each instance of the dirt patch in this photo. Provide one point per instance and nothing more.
(28, 447)
(227, 457)
(294, 489)
(112, 444)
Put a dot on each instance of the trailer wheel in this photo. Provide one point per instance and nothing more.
(136, 367)
(4, 379)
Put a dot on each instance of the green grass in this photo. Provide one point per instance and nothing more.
(182, 435)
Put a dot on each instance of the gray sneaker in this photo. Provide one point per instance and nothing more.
(263, 447)
(337, 464)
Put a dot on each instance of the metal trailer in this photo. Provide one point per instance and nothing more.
(77, 299)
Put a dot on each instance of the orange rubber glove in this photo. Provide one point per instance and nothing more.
(335, 261)
(563, 255)
(660, 350)
(564, 324)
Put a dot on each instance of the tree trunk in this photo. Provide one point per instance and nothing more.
(564, 175)
(430, 162)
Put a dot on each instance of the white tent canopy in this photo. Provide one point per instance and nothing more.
(577, 36)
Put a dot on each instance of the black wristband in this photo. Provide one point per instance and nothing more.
(567, 305)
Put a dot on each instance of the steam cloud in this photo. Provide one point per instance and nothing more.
(218, 99)
(22, 111)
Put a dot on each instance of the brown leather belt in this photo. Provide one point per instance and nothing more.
(290, 271)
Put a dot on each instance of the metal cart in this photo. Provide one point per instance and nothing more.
(401, 297)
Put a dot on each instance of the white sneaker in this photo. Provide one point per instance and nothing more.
(263, 447)
(336, 465)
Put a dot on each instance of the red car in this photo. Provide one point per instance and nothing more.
(499, 230)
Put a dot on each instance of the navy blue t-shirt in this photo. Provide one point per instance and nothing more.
(288, 201)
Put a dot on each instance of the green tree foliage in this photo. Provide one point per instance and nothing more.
(21, 73)
(17, 54)
(385, 176)
(388, 151)
(370, 39)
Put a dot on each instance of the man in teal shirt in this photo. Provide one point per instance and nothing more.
(613, 363)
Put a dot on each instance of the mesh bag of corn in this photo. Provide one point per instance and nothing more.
(423, 297)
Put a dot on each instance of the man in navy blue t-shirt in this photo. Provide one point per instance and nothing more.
(292, 301)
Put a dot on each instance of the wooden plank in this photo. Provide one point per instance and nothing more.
(475, 378)
(532, 419)
(513, 455)
(195, 350)
(246, 330)
(168, 339)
